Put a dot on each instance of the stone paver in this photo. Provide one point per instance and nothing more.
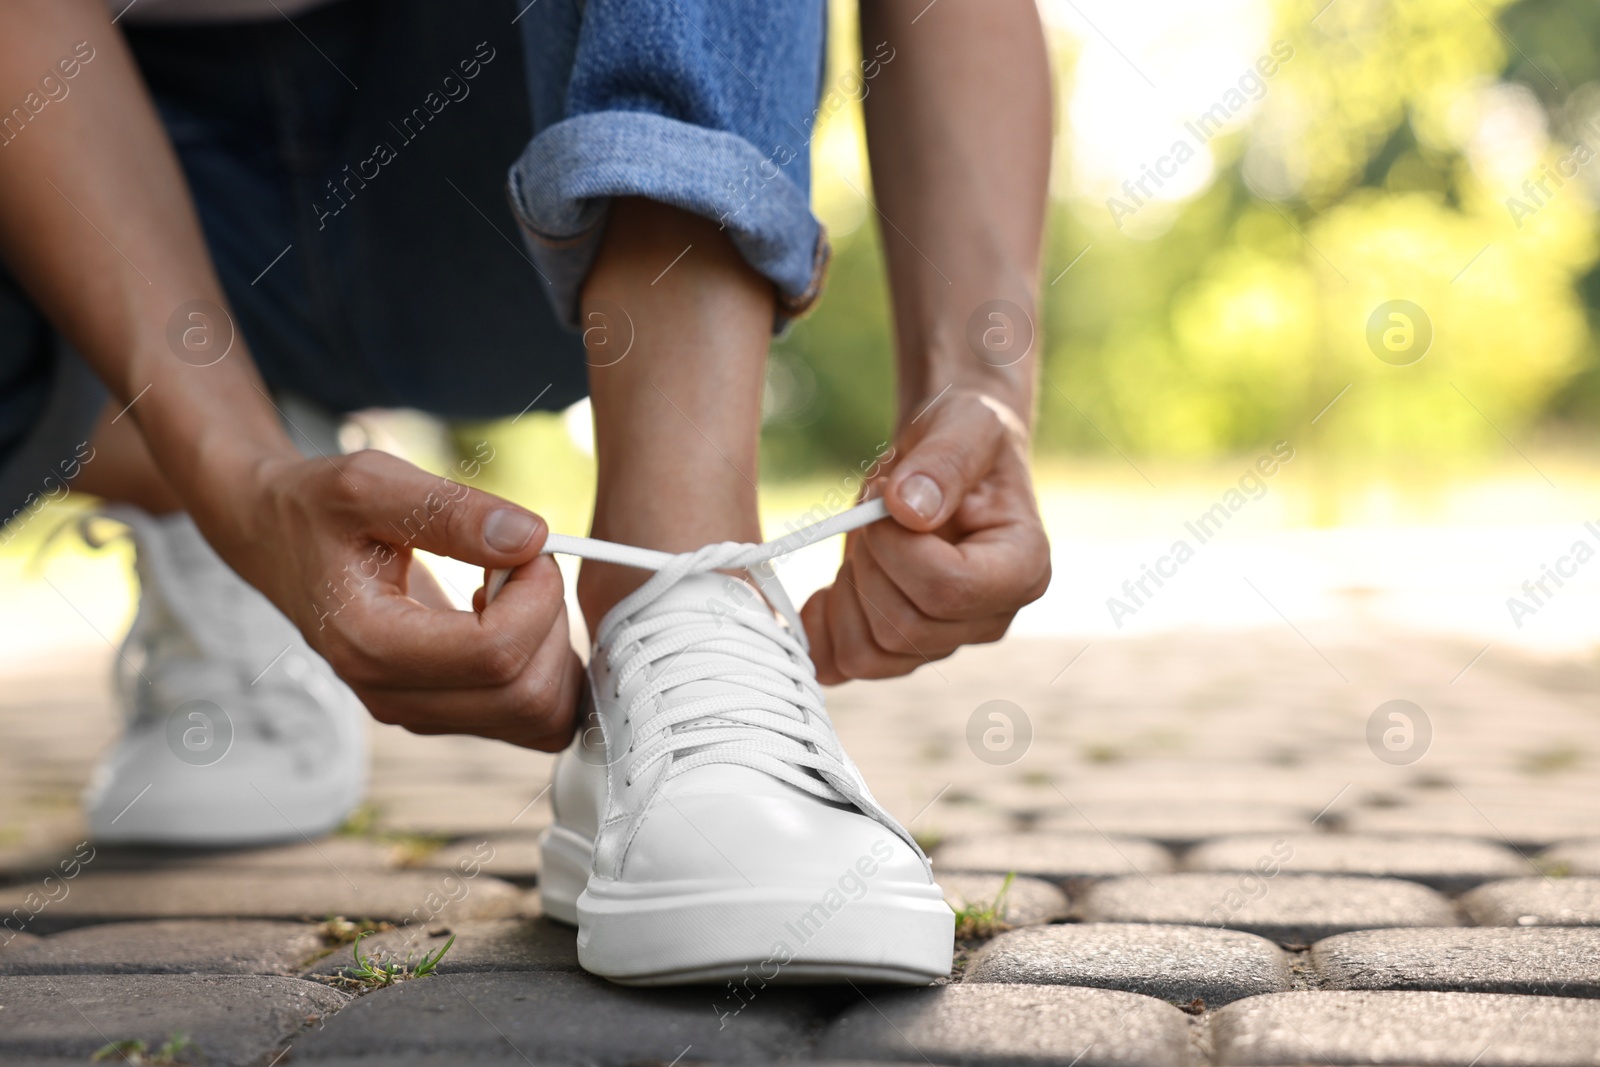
(1008, 1024)
(480, 945)
(171, 946)
(1189, 748)
(511, 1059)
(511, 856)
(1180, 964)
(1536, 902)
(223, 893)
(466, 809)
(15, 941)
(1059, 857)
(563, 1017)
(1528, 826)
(232, 1019)
(1452, 865)
(945, 822)
(1335, 1028)
(1029, 901)
(1557, 961)
(1180, 823)
(1573, 857)
(1293, 909)
(335, 852)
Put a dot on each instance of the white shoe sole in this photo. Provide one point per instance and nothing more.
(678, 933)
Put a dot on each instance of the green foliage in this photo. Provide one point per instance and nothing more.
(831, 383)
(1356, 181)
(178, 1049)
(375, 972)
(981, 919)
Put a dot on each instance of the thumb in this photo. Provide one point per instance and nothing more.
(409, 508)
(953, 454)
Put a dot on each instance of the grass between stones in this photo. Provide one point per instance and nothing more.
(178, 1049)
(376, 972)
(983, 919)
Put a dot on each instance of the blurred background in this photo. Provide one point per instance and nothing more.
(1242, 191)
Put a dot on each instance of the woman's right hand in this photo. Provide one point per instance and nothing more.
(330, 541)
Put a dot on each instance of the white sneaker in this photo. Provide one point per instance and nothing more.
(237, 732)
(708, 824)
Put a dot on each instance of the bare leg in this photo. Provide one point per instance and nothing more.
(123, 470)
(678, 420)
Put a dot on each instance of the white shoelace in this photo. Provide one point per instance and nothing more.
(777, 722)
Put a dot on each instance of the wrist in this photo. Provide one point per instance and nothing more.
(992, 351)
(211, 428)
(1009, 389)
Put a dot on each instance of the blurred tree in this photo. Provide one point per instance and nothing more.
(1386, 160)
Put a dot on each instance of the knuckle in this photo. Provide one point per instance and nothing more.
(383, 712)
(349, 663)
(855, 659)
(453, 502)
(993, 631)
(536, 697)
(367, 463)
(346, 475)
(950, 597)
(502, 661)
(1038, 588)
(896, 635)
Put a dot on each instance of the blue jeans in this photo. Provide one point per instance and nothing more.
(707, 105)
(362, 234)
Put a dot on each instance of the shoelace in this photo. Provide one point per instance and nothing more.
(777, 723)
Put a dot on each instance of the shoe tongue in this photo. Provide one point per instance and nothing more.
(725, 600)
(720, 596)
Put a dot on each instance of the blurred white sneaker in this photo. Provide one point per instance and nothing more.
(237, 732)
(708, 823)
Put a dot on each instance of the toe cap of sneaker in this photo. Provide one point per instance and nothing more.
(766, 841)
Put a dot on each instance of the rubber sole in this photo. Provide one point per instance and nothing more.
(679, 933)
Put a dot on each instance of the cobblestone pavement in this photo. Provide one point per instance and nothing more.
(1226, 851)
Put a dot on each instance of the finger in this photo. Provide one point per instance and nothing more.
(398, 504)
(536, 711)
(953, 454)
(855, 652)
(989, 572)
(814, 616)
(393, 641)
(898, 625)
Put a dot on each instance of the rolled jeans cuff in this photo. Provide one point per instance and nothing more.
(561, 189)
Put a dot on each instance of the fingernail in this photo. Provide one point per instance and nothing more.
(507, 530)
(922, 494)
